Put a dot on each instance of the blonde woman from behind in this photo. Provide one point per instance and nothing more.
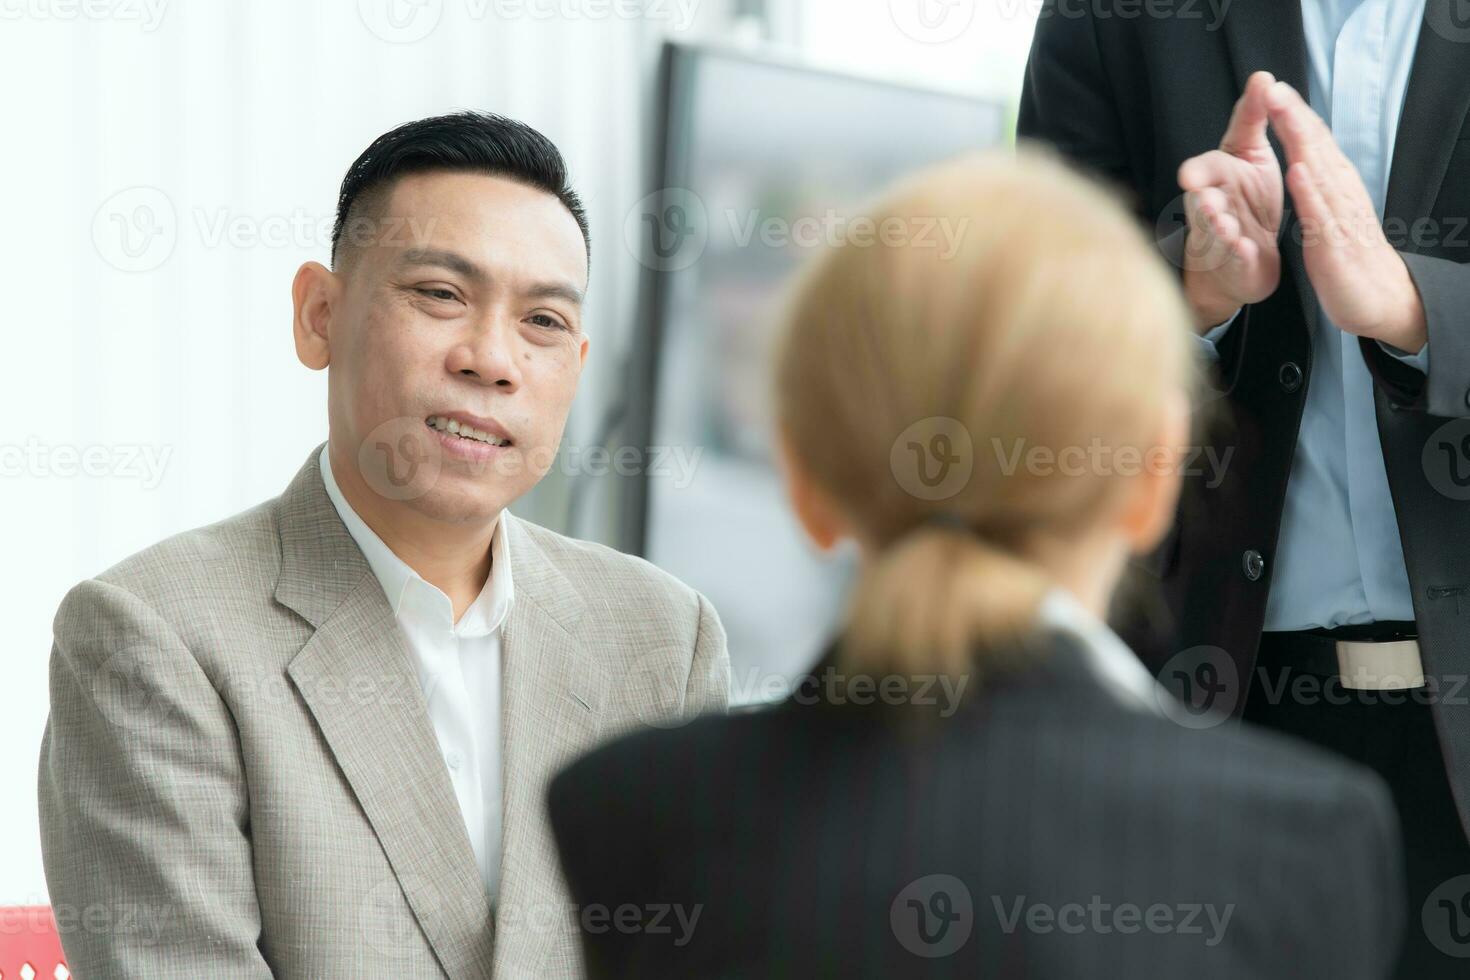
(979, 778)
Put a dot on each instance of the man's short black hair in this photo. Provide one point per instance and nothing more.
(480, 142)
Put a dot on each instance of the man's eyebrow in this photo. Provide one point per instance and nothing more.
(452, 261)
(556, 290)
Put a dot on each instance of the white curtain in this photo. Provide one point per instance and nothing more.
(167, 165)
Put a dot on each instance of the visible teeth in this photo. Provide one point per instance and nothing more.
(463, 431)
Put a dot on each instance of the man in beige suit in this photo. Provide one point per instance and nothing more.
(313, 740)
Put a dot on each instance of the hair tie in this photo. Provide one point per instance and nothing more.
(950, 520)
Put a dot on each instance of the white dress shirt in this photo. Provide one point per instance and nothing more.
(1110, 660)
(458, 666)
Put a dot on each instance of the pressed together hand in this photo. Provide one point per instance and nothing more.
(1233, 204)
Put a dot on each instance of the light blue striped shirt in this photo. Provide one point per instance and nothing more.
(1339, 559)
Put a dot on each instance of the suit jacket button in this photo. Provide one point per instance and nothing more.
(1290, 376)
(1252, 564)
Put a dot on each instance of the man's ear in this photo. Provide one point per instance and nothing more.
(1149, 512)
(315, 292)
(815, 511)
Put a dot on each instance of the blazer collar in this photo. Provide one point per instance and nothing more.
(357, 678)
(1434, 112)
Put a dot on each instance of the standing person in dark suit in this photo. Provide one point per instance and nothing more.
(980, 779)
(1320, 585)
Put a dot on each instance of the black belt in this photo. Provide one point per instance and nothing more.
(1314, 651)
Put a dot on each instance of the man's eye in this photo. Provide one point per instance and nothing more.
(440, 294)
(542, 320)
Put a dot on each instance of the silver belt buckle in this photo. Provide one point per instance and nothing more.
(1393, 665)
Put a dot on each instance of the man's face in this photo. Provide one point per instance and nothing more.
(465, 304)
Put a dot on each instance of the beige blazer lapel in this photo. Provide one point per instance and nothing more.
(357, 678)
(554, 690)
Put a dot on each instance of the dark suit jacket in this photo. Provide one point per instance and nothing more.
(1028, 835)
(1132, 97)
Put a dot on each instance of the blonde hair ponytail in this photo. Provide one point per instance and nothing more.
(1052, 323)
(935, 599)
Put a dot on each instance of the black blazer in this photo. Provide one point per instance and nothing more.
(1132, 97)
(1032, 834)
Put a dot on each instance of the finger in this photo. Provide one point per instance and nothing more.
(1205, 170)
(1212, 205)
(1311, 207)
(1247, 128)
(1302, 131)
(1198, 207)
(1226, 227)
(1245, 251)
(1206, 247)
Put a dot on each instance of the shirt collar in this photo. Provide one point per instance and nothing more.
(408, 593)
(1110, 659)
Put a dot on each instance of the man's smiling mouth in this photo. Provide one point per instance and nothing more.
(445, 424)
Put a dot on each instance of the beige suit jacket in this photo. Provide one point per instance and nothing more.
(239, 777)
